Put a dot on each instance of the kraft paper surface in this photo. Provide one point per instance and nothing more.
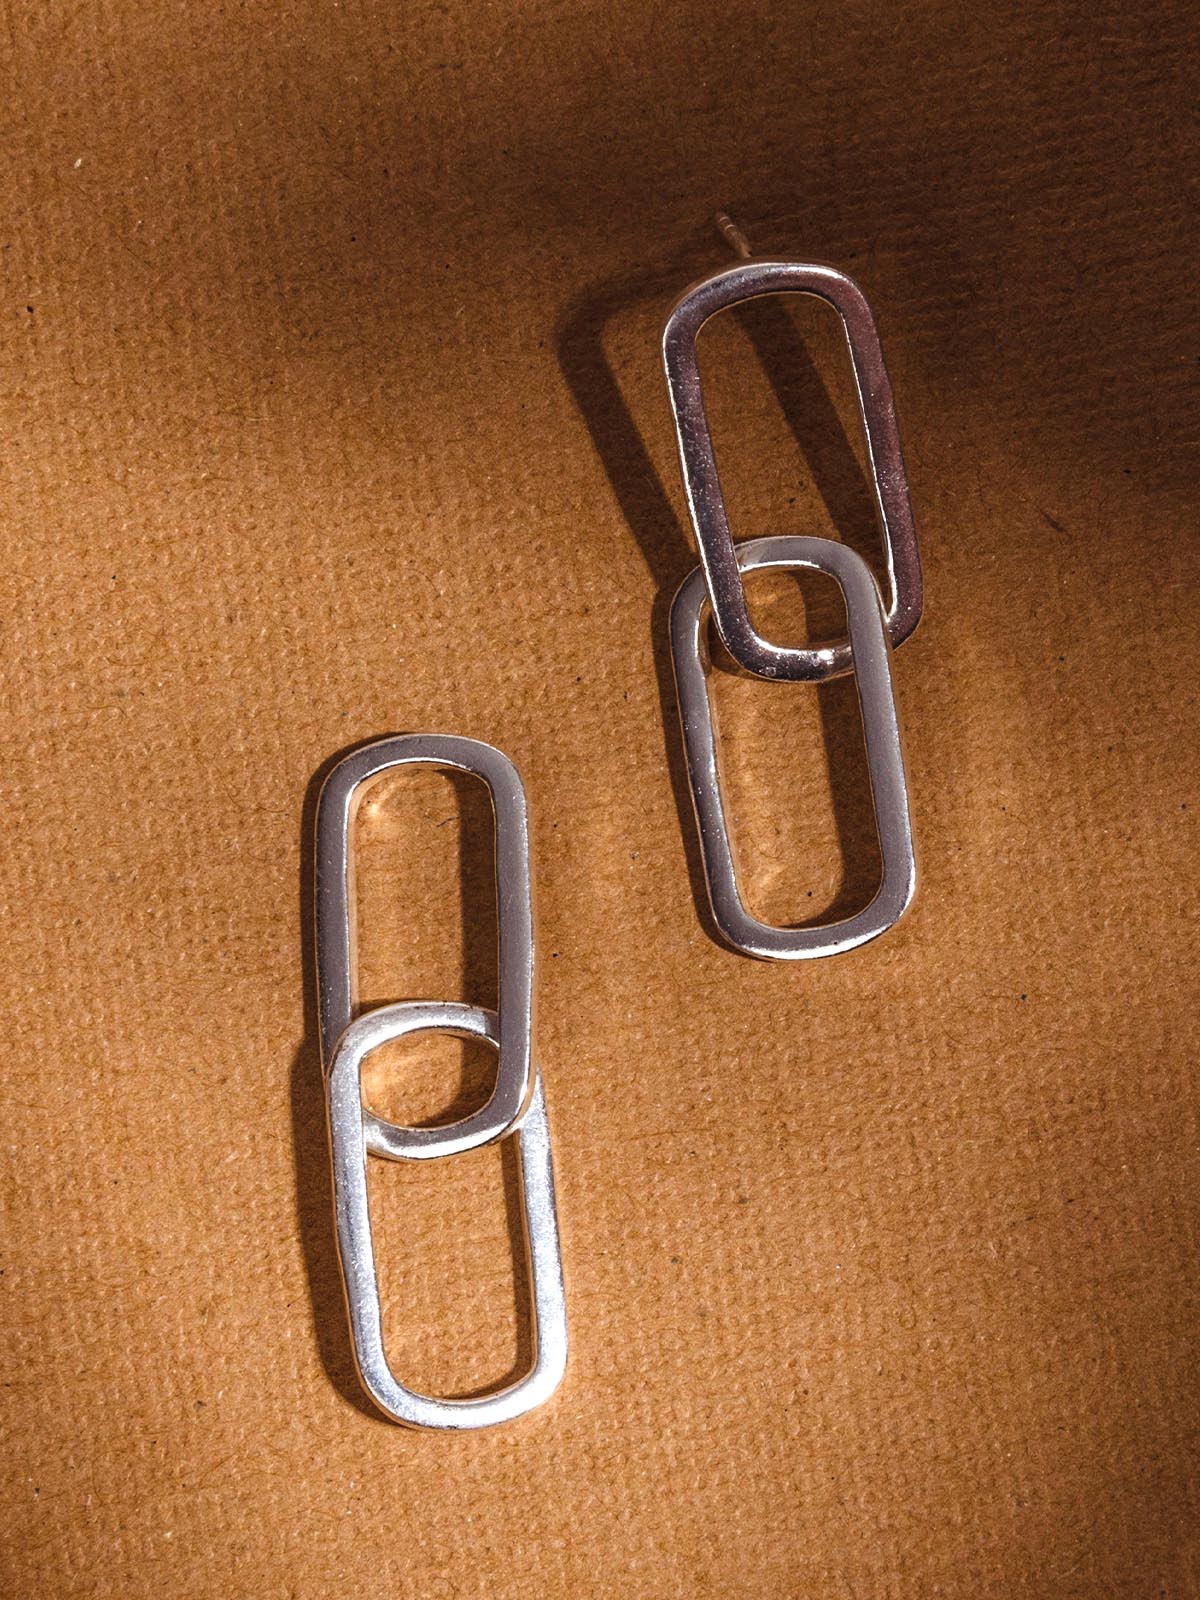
(334, 408)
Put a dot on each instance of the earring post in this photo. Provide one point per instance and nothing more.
(733, 235)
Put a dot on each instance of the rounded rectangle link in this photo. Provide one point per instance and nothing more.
(870, 653)
(702, 482)
(356, 1249)
(341, 795)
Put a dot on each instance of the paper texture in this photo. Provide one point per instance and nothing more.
(334, 408)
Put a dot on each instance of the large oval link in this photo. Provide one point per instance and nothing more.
(870, 655)
(356, 1248)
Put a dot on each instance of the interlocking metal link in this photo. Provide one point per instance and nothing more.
(347, 1127)
(341, 796)
(517, 1105)
(702, 483)
(870, 658)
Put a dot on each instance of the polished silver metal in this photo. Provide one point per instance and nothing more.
(348, 1137)
(870, 658)
(517, 1105)
(729, 287)
(341, 796)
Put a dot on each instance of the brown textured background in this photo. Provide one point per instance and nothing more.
(333, 408)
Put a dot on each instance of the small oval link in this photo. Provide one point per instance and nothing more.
(729, 287)
(341, 795)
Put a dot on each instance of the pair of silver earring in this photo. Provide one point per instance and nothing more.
(517, 1104)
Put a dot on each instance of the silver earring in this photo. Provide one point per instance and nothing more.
(716, 587)
(517, 1105)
